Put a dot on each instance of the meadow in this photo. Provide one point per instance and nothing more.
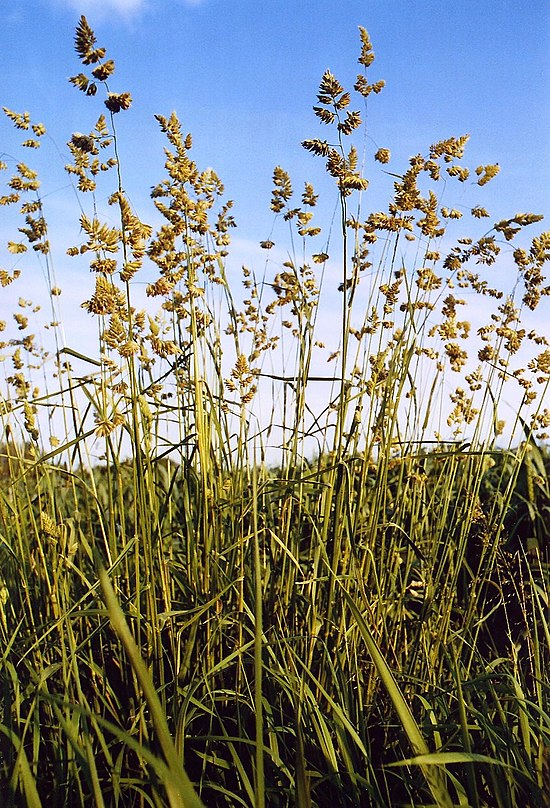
(343, 602)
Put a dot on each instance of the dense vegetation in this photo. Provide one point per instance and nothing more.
(192, 619)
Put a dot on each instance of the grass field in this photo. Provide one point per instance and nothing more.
(197, 608)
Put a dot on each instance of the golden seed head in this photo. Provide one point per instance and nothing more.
(49, 526)
(84, 42)
(486, 173)
(383, 155)
(118, 101)
(104, 70)
(366, 57)
(19, 120)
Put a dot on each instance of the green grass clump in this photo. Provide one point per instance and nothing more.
(342, 602)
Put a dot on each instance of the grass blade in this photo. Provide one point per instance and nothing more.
(433, 776)
(181, 792)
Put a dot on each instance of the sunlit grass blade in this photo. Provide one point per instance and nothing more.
(434, 777)
(181, 792)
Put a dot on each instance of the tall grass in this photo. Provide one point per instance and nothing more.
(213, 613)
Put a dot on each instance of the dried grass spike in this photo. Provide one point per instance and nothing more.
(104, 71)
(20, 120)
(84, 42)
(366, 57)
(117, 101)
(80, 81)
(383, 155)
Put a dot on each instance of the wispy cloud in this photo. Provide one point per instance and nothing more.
(124, 8)
(101, 8)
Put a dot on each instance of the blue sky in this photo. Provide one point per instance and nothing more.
(243, 76)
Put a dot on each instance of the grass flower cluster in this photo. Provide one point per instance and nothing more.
(342, 602)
